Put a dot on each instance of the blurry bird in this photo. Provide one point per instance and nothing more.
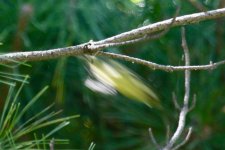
(112, 76)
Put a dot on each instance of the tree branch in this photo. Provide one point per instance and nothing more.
(153, 139)
(51, 144)
(118, 40)
(152, 28)
(174, 98)
(185, 140)
(184, 110)
(154, 66)
(42, 54)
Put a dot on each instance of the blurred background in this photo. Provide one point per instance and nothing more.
(115, 122)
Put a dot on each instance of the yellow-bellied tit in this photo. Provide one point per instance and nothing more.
(111, 76)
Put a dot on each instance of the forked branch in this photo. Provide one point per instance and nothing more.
(185, 108)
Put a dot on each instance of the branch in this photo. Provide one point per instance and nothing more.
(193, 103)
(174, 98)
(167, 133)
(148, 37)
(152, 28)
(184, 110)
(185, 140)
(153, 139)
(155, 66)
(42, 54)
(51, 144)
(118, 40)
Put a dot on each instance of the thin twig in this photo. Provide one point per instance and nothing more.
(154, 66)
(146, 37)
(153, 28)
(193, 103)
(174, 98)
(152, 36)
(43, 54)
(167, 133)
(153, 139)
(187, 72)
(185, 140)
(184, 110)
(51, 144)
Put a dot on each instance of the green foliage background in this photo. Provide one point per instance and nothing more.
(114, 122)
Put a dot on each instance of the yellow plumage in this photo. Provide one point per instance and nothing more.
(119, 77)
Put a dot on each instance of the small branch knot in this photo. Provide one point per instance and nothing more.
(90, 47)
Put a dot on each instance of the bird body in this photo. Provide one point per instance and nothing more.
(122, 79)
